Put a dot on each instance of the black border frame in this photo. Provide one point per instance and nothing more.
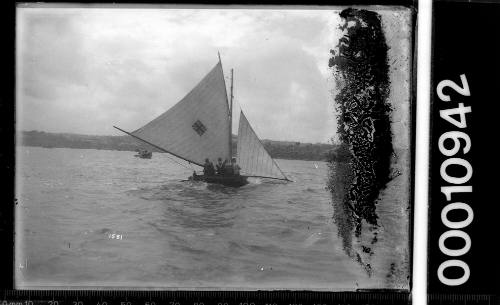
(7, 129)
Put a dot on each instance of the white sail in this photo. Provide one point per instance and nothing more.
(197, 127)
(252, 156)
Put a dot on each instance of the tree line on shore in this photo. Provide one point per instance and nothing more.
(277, 149)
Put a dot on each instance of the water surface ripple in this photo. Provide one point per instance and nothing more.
(267, 234)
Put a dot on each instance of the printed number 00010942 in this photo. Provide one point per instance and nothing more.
(456, 182)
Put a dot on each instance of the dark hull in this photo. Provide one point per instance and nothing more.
(233, 181)
(144, 156)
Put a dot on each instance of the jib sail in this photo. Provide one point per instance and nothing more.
(252, 156)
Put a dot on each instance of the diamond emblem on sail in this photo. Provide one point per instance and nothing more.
(199, 127)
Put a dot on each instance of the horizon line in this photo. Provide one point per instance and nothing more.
(109, 135)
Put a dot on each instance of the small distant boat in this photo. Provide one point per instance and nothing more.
(144, 154)
(199, 127)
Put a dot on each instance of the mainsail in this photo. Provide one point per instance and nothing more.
(252, 156)
(197, 127)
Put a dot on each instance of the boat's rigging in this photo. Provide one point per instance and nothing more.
(231, 118)
(230, 107)
(267, 177)
(199, 128)
(160, 148)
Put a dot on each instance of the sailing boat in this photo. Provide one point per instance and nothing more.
(199, 127)
(144, 154)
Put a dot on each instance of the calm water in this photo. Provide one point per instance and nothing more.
(190, 235)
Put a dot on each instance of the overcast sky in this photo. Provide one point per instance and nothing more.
(82, 70)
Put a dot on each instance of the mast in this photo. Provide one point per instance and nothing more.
(230, 109)
(231, 119)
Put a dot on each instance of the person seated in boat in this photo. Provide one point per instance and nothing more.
(236, 167)
(220, 166)
(228, 168)
(208, 168)
(211, 168)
